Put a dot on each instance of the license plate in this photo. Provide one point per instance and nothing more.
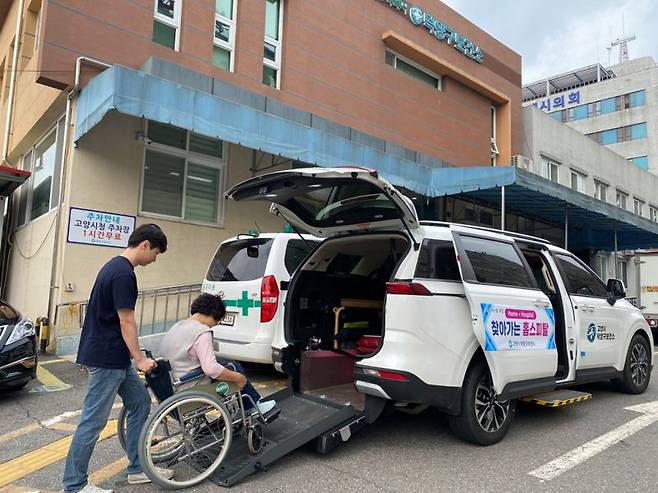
(229, 319)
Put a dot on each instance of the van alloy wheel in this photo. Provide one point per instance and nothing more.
(639, 364)
(491, 413)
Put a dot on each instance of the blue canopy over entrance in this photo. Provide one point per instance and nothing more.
(590, 223)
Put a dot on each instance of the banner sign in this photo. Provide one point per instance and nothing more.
(517, 329)
(98, 228)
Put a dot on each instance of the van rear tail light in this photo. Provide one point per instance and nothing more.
(389, 375)
(412, 288)
(269, 298)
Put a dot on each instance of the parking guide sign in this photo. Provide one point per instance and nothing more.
(99, 228)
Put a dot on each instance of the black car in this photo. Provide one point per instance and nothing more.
(18, 348)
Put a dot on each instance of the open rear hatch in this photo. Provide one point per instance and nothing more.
(330, 201)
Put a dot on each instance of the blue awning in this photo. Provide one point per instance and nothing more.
(591, 222)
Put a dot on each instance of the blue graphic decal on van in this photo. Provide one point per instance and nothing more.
(489, 344)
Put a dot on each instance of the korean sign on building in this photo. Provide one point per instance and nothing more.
(438, 29)
(99, 228)
(557, 102)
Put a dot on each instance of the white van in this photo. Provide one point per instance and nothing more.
(461, 318)
(251, 274)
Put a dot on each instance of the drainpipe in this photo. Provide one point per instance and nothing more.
(12, 81)
(62, 180)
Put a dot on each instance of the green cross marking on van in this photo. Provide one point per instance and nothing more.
(244, 302)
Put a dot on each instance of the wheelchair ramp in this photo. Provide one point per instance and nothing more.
(303, 418)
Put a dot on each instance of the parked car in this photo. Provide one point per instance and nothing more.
(462, 318)
(18, 348)
(251, 273)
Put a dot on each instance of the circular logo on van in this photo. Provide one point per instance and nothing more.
(591, 332)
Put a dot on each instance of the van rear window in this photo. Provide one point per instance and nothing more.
(437, 260)
(240, 260)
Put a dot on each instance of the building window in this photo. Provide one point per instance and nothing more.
(272, 45)
(653, 213)
(634, 99)
(621, 134)
(640, 161)
(622, 270)
(551, 170)
(600, 190)
(224, 34)
(166, 23)
(602, 107)
(577, 181)
(603, 266)
(183, 176)
(412, 70)
(41, 192)
(638, 206)
(621, 199)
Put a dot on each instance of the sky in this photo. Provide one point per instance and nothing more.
(555, 37)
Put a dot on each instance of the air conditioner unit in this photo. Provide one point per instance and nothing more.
(522, 162)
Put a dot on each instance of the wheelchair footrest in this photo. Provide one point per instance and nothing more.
(272, 414)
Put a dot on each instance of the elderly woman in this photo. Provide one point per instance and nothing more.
(188, 345)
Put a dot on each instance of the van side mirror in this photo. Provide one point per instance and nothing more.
(616, 290)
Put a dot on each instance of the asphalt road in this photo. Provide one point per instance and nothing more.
(611, 448)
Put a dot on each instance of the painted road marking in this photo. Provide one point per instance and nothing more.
(47, 424)
(578, 455)
(105, 473)
(51, 361)
(25, 465)
(49, 382)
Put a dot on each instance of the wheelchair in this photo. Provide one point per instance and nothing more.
(190, 431)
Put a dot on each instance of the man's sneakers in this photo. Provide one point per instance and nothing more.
(90, 488)
(266, 407)
(141, 477)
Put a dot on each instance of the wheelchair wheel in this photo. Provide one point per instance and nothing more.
(255, 439)
(189, 433)
(163, 454)
(122, 427)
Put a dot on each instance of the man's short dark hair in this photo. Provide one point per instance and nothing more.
(150, 232)
(209, 305)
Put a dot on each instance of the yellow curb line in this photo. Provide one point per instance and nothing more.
(51, 361)
(108, 471)
(50, 382)
(25, 465)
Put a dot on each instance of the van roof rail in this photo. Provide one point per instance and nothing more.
(520, 236)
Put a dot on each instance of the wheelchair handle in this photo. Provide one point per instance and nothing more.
(147, 353)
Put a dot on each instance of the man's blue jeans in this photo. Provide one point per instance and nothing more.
(103, 386)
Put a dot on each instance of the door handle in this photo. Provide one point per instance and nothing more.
(588, 308)
(541, 303)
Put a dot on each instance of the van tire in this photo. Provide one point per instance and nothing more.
(637, 369)
(466, 425)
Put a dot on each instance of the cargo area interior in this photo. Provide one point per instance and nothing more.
(336, 310)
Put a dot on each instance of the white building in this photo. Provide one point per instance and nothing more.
(617, 107)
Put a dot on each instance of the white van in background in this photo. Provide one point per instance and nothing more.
(251, 274)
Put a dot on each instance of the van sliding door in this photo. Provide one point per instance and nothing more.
(512, 318)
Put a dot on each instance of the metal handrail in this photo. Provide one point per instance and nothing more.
(158, 319)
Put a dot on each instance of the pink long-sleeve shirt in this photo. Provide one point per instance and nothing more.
(202, 351)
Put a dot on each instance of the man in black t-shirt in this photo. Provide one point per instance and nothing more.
(107, 343)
